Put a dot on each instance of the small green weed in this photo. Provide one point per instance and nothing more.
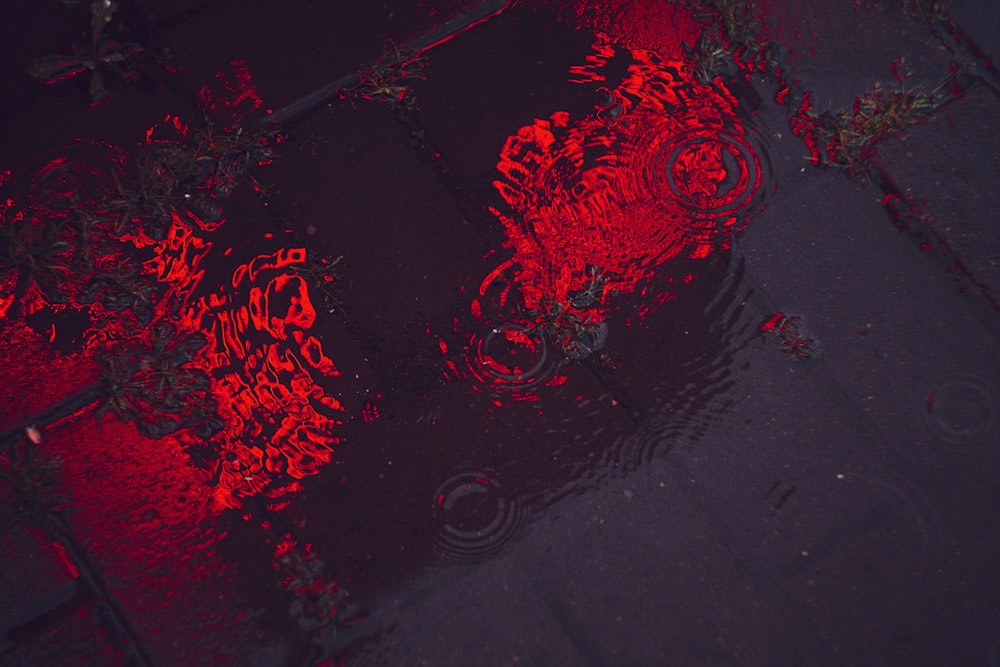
(34, 478)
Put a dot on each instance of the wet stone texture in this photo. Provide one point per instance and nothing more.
(54, 616)
(938, 157)
(600, 368)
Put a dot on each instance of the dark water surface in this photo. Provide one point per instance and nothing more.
(564, 351)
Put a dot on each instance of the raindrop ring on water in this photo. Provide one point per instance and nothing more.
(961, 409)
(79, 174)
(475, 517)
(708, 172)
(510, 356)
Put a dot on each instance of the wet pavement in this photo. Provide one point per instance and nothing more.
(604, 367)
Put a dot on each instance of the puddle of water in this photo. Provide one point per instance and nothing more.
(233, 372)
(618, 228)
(644, 192)
(663, 168)
(598, 209)
(697, 390)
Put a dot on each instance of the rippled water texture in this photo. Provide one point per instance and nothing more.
(265, 368)
(279, 422)
(475, 517)
(662, 169)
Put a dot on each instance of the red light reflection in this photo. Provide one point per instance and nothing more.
(266, 369)
(661, 169)
(279, 422)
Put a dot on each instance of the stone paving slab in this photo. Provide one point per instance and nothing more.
(77, 637)
(355, 188)
(39, 592)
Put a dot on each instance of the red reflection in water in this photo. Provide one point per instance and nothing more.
(279, 421)
(804, 127)
(661, 169)
(141, 509)
(663, 27)
(266, 369)
(239, 96)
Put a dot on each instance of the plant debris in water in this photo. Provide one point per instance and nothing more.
(731, 36)
(786, 329)
(171, 177)
(848, 139)
(576, 325)
(150, 379)
(64, 248)
(319, 273)
(317, 602)
(388, 80)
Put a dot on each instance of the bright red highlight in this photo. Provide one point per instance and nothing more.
(661, 169)
(278, 422)
(773, 322)
(262, 368)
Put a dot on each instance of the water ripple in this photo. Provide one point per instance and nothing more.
(961, 410)
(476, 517)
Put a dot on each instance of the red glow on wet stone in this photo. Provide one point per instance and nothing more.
(268, 373)
(660, 26)
(137, 505)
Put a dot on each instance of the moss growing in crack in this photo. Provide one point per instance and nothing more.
(102, 57)
(731, 37)
(150, 379)
(174, 177)
(849, 139)
(388, 80)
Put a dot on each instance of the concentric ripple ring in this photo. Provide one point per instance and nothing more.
(476, 518)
